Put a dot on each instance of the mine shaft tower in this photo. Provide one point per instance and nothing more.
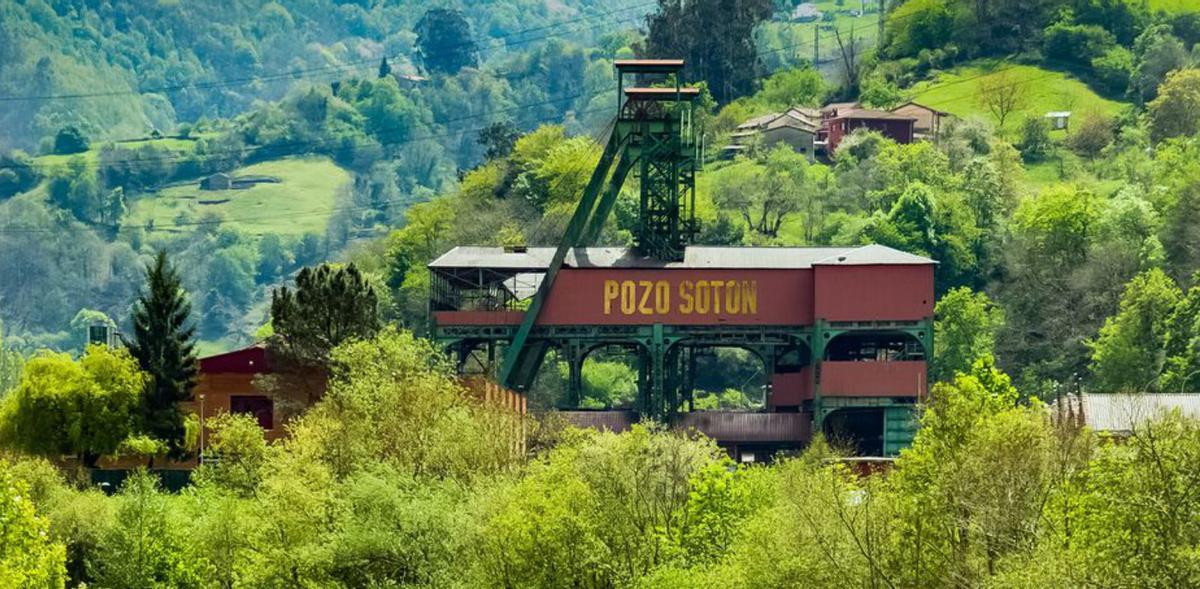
(656, 135)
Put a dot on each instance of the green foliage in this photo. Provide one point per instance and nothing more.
(12, 362)
(163, 344)
(17, 174)
(330, 305)
(235, 454)
(70, 140)
(82, 408)
(1176, 110)
(29, 557)
(444, 37)
(767, 191)
(792, 87)
(1076, 44)
(1157, 52)
(1035, 144)
(965, 328)
(1129, 353)
(728, 32)
(145, 546)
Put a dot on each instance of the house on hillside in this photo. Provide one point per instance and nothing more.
(797, 127)
(929, 120)
(843, 119)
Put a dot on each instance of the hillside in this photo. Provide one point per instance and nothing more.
(960, 91)
(296, 196)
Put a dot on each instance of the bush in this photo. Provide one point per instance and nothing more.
(1113, 69)
(1076, 44)
(1035, 142)
(1091, 136)
(70, 140)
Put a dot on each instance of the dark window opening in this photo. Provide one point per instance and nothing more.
(262, 408)
(860, 430)
(874, 347)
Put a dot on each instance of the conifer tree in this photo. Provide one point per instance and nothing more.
(385, 69)
(163, 344)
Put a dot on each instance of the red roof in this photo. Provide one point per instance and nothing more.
(251, 360)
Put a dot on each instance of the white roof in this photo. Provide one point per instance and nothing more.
(784, 258)
(1123, 412)
(1058, 114)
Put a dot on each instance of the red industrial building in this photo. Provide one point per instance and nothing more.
(844, 333)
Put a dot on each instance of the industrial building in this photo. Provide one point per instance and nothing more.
(843, 333)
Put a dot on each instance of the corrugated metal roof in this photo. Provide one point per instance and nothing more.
(1124, 412)
(873, 114)
(781, 258)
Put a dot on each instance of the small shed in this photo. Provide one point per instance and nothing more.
(1059, 120)
(218, 181)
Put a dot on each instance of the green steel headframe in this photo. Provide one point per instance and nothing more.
(656, 135)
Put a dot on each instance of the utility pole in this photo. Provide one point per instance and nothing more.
(882, 21)
(816, 44)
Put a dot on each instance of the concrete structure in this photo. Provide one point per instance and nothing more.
(218, 181)
(797, 127)
(843, 333)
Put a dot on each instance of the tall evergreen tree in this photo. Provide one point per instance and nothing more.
(329, 305)
(444, 41)
(164, 346)
(385, 69)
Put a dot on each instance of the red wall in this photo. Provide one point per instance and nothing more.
(897, 130)
(252, 360)
(790, 389)
(870, 293)
(784, 297)
(873, 379)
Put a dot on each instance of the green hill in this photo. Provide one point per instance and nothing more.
(302, 201)
(959, 91)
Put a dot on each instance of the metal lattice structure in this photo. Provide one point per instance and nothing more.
(655, 134)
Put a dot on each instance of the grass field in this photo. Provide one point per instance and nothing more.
(958, 92)
(301, 203)
(1175, 6)
(93, 155)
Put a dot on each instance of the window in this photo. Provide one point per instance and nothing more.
(259, 406)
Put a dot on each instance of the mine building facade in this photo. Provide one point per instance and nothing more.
(843, 333)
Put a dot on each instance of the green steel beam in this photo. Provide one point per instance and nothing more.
(609, 200)
(521, 360)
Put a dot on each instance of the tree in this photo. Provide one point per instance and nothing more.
(164, 345)
(1002, 94)
(444, 41)
(724, 56)
(964, 331)
(11, 365)
(385, 69)
(330, 305)
(1093, 134)
(1035, 142)
(1129, 353)
(765, 193)
(29, 556)
(17, 174)
(498, 138)
(1157, 52)
(144, 548)
(1176, 110)
(70, 140)
(82, 408)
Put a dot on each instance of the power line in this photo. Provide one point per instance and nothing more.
(498, 42)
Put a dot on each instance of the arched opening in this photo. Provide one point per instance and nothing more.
(549, 388)
(859, 430)
(610, 378)
(720, 378)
